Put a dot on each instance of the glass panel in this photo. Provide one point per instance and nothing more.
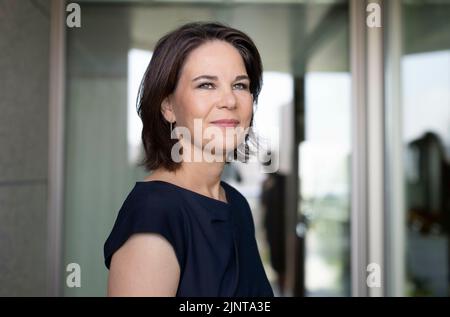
(97, 171)
(324, 155)
(426, 133)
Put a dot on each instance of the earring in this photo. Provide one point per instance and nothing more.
(171, 128)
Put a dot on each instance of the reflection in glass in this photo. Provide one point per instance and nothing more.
(426, 96)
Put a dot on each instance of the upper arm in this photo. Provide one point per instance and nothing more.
(146, 265)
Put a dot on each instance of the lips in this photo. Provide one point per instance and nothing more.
(226, 122)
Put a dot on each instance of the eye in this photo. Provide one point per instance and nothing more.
(241, 86)
(206, 85)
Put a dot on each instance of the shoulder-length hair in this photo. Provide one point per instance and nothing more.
(163, 73)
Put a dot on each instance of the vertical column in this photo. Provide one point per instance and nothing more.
(375, 153)
(367, 66)
(394, 189)
(56, 145)
(359, 161)
(295, 242)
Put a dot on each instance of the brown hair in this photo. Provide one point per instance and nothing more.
(162, 75)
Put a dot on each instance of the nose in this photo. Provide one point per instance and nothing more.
(228, 99)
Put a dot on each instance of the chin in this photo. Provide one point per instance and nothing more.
(222, 146)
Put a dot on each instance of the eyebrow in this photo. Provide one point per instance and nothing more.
(210, 77)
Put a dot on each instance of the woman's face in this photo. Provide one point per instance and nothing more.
(214, 92)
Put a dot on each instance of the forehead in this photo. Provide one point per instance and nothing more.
(214, 56)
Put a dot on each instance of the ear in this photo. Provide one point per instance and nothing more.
(167, 110)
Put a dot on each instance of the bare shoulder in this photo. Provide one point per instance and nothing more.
(146, 265)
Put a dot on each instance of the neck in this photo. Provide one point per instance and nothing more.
(202, 176)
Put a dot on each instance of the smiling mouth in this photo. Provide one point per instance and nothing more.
(226, 123)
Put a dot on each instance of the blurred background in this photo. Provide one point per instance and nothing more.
(357, 116)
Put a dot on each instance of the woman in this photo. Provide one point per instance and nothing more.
(182, 231)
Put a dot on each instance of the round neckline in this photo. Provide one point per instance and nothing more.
(227, 196)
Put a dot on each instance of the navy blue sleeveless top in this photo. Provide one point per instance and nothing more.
(214, 241)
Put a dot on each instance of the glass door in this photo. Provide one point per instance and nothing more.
(420, 156)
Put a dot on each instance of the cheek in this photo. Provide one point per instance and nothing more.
(199, 104)
(246, 109)
(192, 107)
